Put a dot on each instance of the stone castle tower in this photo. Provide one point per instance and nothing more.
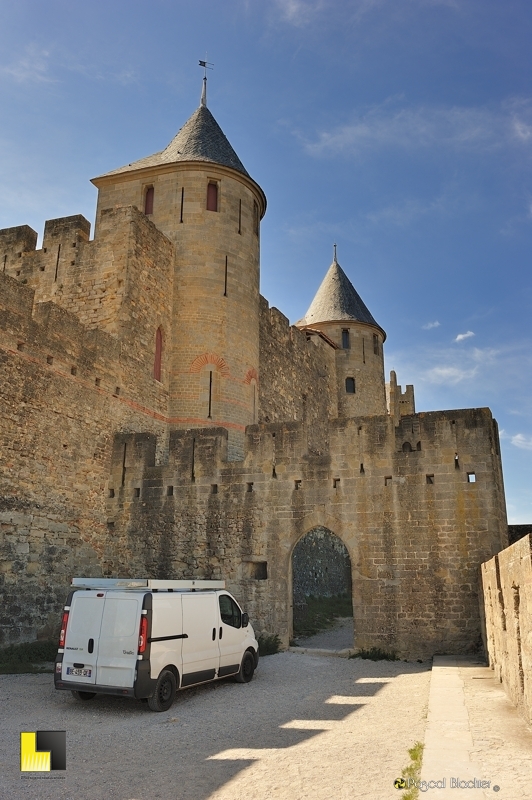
(198, 193)
(159, 418)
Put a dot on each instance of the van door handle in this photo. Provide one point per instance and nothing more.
(221, 631)
(91, 645)
(213, 634)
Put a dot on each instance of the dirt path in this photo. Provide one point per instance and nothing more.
(338, 638)
(306, 727)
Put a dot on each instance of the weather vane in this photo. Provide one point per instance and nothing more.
(206, 65)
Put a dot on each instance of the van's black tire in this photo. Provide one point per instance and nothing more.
(247, 668)
(83, 695)
(164, 694)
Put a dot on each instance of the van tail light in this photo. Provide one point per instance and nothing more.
(143, 633)
(64, 623)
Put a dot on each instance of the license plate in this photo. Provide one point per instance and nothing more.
(79, 673)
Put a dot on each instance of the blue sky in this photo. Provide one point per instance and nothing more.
(401, 129)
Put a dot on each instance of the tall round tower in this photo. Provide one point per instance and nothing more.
(338, 311)
(198, 193)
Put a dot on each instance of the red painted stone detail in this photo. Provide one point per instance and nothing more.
(251, 375)
(209, 358)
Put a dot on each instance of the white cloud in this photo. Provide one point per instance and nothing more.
(521, 441)
(462, 336)
(423, 127)
(431, 325)
(449, 375)
(299, 12)
(31, 68)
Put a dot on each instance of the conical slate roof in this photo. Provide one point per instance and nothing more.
(337, 300)
(200, 139)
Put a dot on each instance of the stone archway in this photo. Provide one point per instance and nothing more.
(321, 577)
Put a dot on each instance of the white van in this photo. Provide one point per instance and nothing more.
(146, 638)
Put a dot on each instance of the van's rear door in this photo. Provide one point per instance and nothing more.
(82, 636)
(201, 656)
(119, 637)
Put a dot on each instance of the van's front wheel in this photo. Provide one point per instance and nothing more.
(247, 668)
(164, 694)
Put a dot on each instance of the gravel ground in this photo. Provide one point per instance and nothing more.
(306, 727)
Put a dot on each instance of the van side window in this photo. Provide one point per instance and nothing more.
(229, 611)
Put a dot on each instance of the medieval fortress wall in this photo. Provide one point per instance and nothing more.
(160, 419)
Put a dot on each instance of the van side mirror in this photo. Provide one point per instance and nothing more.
(245, 620)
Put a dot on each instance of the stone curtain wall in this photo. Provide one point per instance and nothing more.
(507, 595)
(64, 392)
(297, 378)
(320, 566)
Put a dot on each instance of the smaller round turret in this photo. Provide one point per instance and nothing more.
(339, 312)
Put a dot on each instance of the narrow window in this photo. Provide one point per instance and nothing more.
(345, 339)
(111, 492)
(407, 447)
(56, 263)
(256, 219)
(249, 487)
(350, 385)
(362, 470)
(418, 446)
(124, 465)
(225, 280)
(297, 485)
(49, 359)
(182, 202)
(471, 477)
(148, 200)
(169, 491)
(240, 216)
(363, 351)
(97, 381)
(375, 344)
(136, 492)
(430, 479)
(209, 415)
(214, 488)
(158, 354)
(73, 370)
(388, 480)
(260, 570)
(336, 483)
(212, 197)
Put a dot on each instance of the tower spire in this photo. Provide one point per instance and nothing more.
(334, 259)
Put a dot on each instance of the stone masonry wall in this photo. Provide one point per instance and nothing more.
(415, 524)
(64, 392)
(297, 377)
(507, 605)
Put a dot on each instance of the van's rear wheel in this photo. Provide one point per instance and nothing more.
(164, 694)
(83, 695)
(247, 668)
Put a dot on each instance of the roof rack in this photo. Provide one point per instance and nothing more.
(145, 583)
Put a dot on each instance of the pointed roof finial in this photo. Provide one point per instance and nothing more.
(335, 261)
(206, 65)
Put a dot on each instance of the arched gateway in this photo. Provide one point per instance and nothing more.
(321, 578)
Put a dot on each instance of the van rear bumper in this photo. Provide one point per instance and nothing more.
(144, 684)
(123, 691)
